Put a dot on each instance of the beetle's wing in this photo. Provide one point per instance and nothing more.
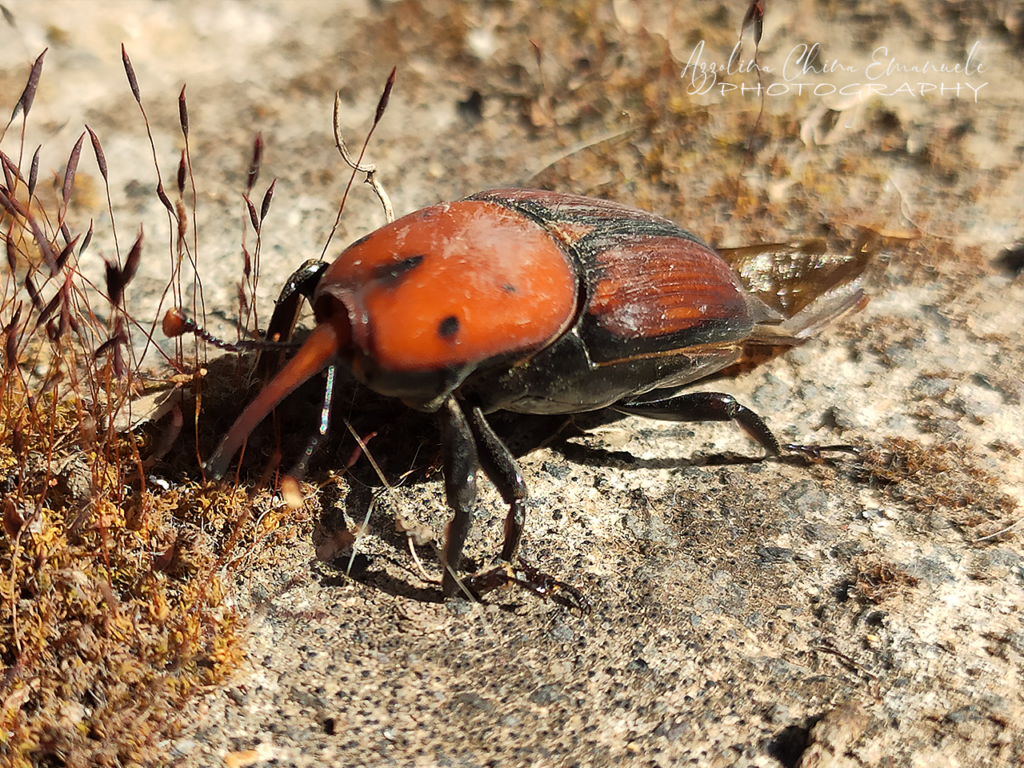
(657, 292)
(800, 286)
(795, 290)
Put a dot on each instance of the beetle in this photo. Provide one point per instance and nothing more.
(546, 303)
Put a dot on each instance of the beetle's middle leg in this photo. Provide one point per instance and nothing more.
(470, 443)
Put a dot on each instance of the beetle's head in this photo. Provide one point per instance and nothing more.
(332, 340)
(313, 356)
(423, 388)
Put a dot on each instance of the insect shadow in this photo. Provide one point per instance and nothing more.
(406, 447)
(573, 444)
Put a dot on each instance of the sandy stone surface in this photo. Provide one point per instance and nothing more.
(858, 612)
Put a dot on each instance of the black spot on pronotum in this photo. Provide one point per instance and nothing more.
(392, 273)
(448, 327)
(508, 288)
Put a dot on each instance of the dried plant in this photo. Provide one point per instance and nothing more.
(114, 607)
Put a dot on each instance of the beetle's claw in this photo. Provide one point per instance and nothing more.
(544, 585)
(532, 580)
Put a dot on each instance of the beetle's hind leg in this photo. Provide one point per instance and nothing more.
(718, 406)
(704, 406)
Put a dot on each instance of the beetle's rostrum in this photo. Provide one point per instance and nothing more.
(539, 302)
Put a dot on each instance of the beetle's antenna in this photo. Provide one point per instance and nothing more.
(357, 166)
(176, 323)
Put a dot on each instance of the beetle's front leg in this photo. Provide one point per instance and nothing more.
(299, 286)
(460, 465)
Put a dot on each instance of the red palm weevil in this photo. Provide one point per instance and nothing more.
(546, 303)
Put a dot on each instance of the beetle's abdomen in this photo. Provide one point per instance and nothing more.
(453, 285)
